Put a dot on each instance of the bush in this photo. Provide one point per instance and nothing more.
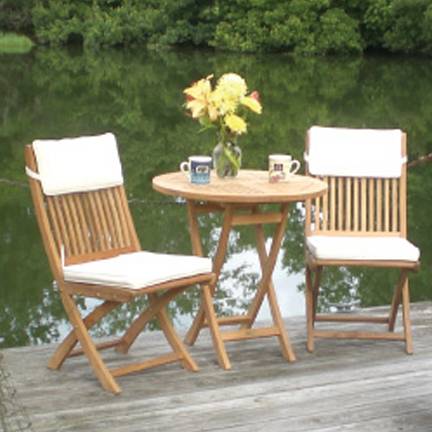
(56, 20)
(15, 16)
(122, 22)
(377, 21)
(306, 27)
(410, 30)
(268, 25)
(339, 34)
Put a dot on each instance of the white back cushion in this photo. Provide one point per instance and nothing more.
(355, 152)
(78, 164)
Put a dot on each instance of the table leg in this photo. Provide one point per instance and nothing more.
(267, 263)
(218, 261)
(287, 350)
(194, 229)
(206, 310)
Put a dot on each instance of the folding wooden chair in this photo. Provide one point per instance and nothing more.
(93, 251)
(361, 221)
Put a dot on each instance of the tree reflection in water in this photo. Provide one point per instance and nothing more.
(138, 96)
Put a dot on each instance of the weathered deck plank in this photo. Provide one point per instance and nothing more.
(343, 386)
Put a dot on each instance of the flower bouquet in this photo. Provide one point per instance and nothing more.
(223, 107)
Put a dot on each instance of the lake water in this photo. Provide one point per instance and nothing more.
(138, 96)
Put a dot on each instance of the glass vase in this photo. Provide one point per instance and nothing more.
(227, 159)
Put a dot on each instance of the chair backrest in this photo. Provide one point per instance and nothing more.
(80, 201)
(365, 170)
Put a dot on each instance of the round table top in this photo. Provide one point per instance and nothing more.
(250, 186)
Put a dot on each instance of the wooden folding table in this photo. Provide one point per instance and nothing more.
(241, 200)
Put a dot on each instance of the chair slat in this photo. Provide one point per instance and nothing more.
(403, 204)
(394, 206)
(332, 215)
(93, 233)
(64, 234)
(53, 220)
(72, 219)
(124, 214)
(379, 204)
(356, 204)
(77, 224)
(96, 222)
(67, 221)
(91, 224)
(371, 201)
(386, 205)
(325, 207)
(363, 201)
(103, 219)
(348, 210)
(83, 223)
(340, 202)
(317, 212)
(115, 217)
(113, 233)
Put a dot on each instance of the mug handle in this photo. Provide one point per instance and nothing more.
(296, 164)
(184, 167)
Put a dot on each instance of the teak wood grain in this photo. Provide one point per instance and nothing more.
(85, 226)
(250, 187)
(239, 200)
(337, 388)
(359, 206)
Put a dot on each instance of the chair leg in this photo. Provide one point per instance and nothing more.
(101, 371)
(313, 278)
(175, 341)
(141, 321)
(310, 344)
(67, 345)
(406, 318)
(219, 346)
(315, 290)
(397, 297)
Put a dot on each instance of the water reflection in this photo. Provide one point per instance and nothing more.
(137, 95)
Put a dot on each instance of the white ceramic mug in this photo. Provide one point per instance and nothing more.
(282, 167)
(198, 169)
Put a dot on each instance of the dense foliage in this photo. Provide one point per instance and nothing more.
(301, 26)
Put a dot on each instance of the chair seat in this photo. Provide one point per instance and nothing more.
(362, 248)
(137, 270)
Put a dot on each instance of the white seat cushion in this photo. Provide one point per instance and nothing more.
(137, 270)
(362, 248)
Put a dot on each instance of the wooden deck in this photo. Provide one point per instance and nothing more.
(344, 386)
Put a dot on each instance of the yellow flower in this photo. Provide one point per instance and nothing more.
(235, 123)
(198, 99)
(200, 88)
(232, 85)
(224, 102)
(252, 104)
(220, 106)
